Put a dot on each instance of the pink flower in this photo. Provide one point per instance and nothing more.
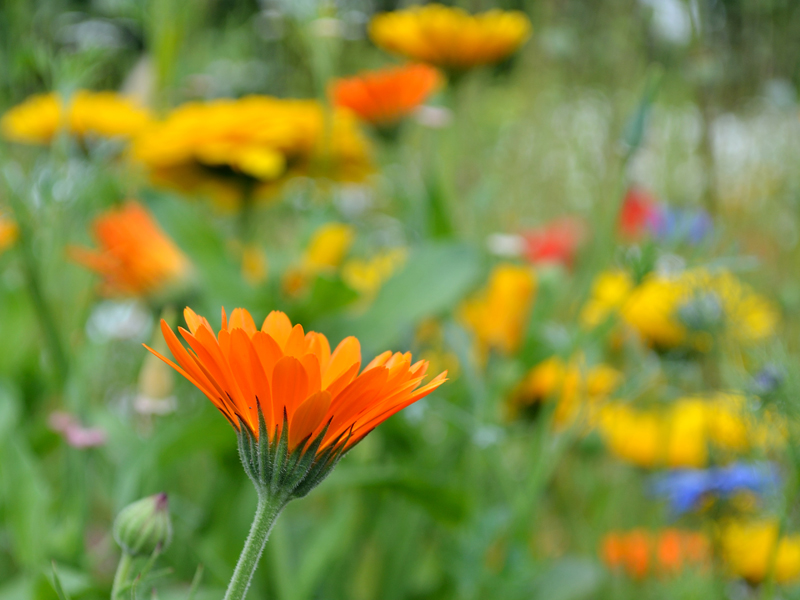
(75, 434)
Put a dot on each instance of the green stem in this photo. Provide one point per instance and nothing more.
(43, 312)
(122, 574)
(266, 514)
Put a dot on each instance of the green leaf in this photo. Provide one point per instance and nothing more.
(570, 579)
(62, 595)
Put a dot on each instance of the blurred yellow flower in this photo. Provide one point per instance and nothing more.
(232, 149)
(450, 37)
(367, 275)
(688, 309)
(84, 114)
(325, 252)
(328, 246)
(135, 258)
(573, 385)
(748, 548)
(255, 266)
(685, 432)
(9, 232)
(498, 315)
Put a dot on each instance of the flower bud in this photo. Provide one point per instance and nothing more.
(143, 526)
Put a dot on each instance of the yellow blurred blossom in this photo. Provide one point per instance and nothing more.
(9, 232)
(85, 114)
(687, 309)
(498, 315)
(325, 252)
(748, 549)
(255, 266)
(367, 275)
(687, 431)
(450, 37)
(328, 246)
(230, 150)
(573, 385)
(429, 338)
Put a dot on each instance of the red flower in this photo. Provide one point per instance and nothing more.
(556, 242)
(641, 213)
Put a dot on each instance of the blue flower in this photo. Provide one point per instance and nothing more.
(684, 489)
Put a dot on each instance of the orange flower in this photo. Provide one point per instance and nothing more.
(280, 382)
(640, 552)
(385, 96)
(135, 257)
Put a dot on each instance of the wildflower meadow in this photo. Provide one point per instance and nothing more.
(368, 299)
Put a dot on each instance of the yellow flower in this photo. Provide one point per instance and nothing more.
(572, 385)
(328, 246)
(749, 547)
(85, 114)
(498, 315)
(325, 252)
(367, 276)
(255, 266)
(229, 149)
(685, 310)
(685, 432)
(450, 37)
(9, 232)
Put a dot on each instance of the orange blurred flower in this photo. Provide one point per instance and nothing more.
(9, 232)
(385, 96)
(640, 553)
(278, 377)
(135, 256)
(450, 37)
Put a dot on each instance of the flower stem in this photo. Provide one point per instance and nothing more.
(122, 574)
(266, 514)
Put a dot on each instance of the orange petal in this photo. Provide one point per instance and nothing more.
(308, 417)
(379, 360)
(278, 326)
(311, 365)
(289, 387)
(318, 344)
(346, 354)
(296, 342)
(239, 360)
(193, 320)
(268, 352)
(242, 319)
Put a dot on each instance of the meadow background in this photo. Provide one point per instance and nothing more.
(464, 495)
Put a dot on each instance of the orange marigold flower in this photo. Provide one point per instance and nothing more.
(280, 387)
(385, 96)
(135, 257)
(641, 553)
(450, 37)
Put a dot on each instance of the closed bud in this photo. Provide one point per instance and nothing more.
(142, 527)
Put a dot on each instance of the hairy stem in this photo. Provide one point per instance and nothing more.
(266, 514)
(122, 574)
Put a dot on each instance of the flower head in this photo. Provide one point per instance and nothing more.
(749, 548)
(686, 489)
(228, 149)
(450, 37)
(640, 553)
(687, 432)
(85, 114)
(285, 391)
(385, 96)
(570, 384)
(136, 258)
(498, 315)
(641, 213)
(688, 309)
(8, 233)
(556, 242)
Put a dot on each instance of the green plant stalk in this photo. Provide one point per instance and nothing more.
(122, 574)
(266, 514)
(32, 279)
